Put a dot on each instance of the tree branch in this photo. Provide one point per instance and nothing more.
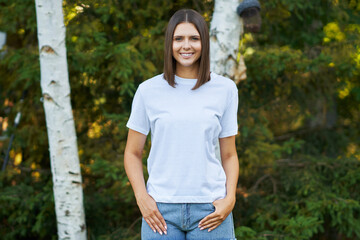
(257, 183)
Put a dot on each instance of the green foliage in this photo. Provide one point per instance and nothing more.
(299, 116)
(312, 197)
(112, 46)
(27, 209)
(245, 233)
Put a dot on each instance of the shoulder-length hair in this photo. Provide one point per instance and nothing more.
(187, 16)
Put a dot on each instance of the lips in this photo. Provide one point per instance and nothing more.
(186, 55)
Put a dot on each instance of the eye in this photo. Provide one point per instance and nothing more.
(177, 38)
(195, 38)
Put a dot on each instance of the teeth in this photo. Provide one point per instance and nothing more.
(186, 54)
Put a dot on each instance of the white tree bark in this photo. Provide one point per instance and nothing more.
(2, 39)
(59, 121)
(2, 43)
(225, 29)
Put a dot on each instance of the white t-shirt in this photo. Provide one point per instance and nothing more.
(185, 126)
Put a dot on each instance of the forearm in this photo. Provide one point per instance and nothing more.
(223, 207)
(134, 170)
(231, 168)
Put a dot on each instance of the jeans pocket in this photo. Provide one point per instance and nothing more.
(211, 205)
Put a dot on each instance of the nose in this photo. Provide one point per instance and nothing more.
(186, 44)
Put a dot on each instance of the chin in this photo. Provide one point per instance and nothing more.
(187, 65)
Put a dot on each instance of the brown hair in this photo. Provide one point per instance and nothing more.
(187, 16)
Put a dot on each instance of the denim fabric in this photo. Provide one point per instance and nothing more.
(182, 221)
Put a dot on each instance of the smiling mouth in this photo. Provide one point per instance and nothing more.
(186, 54)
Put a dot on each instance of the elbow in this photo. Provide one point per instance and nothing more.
(230, 156)
(131, 154)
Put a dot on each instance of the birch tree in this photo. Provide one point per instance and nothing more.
(65, 168)
(225, 29)
(2, 39)
(2, 42)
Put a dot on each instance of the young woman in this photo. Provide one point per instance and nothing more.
(190, 193)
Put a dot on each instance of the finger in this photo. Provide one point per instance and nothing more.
(210, 216)
(162, 222)
(213, 227)
(159, 224)
(210, 223)
(209, 219)
(150, 224)
(155, 222)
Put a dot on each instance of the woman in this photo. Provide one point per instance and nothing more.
(189, 194)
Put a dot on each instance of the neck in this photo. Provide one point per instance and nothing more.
(191, 72)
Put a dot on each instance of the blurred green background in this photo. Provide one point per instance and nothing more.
(299, 116)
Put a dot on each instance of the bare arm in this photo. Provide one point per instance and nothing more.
(230, 164)
(223, 207)
(134, 170)
(133, 161)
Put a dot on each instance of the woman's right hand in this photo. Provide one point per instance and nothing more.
(151, 213)
(134, 170)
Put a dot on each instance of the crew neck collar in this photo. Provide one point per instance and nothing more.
(181, 80)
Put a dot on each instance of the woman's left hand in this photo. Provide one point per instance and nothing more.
(223, 208)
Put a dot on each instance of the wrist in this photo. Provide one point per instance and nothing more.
(231, 197)
(141, 195)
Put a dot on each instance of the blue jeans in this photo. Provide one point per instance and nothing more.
(182, 221)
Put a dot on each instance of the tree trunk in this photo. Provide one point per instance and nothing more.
(2, 42)
(55, 88)
(225, 29)
(2, 39)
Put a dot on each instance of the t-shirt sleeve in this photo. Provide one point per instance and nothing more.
(228, 121)
(139, 120)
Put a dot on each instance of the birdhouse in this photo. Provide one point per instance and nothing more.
(249, 11)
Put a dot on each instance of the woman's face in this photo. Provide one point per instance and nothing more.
(186, 45)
